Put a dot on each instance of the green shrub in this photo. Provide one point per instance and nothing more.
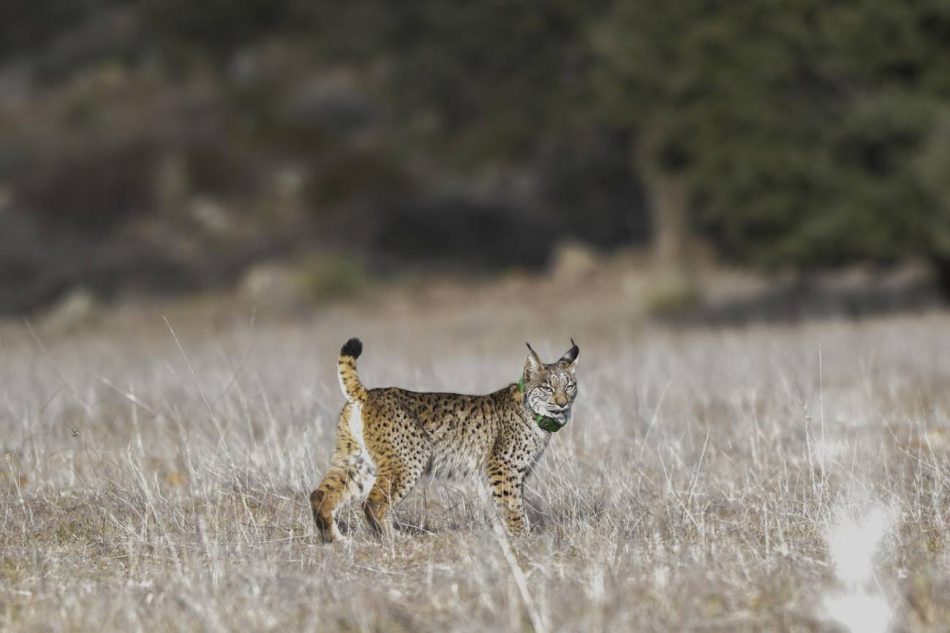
(673, 298)
(332, 276)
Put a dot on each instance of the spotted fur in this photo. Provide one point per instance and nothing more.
(387, 438)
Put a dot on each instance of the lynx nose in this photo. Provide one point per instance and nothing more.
(560, 399)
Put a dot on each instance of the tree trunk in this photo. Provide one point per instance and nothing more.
(667, 200)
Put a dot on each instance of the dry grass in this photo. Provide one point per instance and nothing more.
(150, 487)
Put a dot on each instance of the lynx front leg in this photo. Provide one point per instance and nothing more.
(507, 484)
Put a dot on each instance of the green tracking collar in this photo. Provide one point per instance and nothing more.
(551, 425)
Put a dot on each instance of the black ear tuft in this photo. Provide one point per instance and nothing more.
(353, 347)
(571, 355)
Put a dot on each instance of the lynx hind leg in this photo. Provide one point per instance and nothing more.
(351, 474)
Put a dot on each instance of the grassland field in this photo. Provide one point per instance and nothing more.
(155, 475)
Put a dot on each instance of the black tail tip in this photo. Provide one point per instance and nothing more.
(353, 347)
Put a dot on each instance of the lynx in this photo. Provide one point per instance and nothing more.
(388, 438)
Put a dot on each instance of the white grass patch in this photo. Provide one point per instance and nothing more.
(860, 611)
(854, 544)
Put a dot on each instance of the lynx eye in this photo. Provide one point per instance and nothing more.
(546, 389)
(572, 388)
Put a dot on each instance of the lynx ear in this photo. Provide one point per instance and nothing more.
(532, 364)
(570, 356)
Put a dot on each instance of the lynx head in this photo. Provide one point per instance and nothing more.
(550, 389)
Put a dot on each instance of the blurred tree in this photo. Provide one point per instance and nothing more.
(481, 79)
(802, 133)
(792, 133)
(26, 26)
(218, 28)
(491, 87)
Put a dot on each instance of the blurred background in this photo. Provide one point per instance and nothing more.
(764, 159)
